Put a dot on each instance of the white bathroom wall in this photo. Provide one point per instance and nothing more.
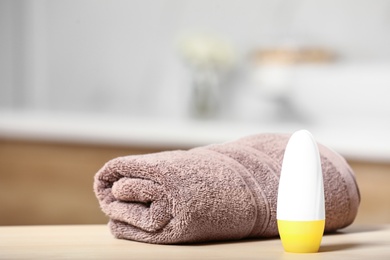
(121, 57)
(7, 53)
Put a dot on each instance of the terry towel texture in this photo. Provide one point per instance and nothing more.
(216, 192)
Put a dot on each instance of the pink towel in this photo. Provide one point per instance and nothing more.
(216, 192)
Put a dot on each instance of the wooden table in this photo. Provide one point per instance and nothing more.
(96, 242)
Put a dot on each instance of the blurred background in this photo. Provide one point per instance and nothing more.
(84, 81)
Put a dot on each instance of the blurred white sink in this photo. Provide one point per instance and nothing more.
(363, 138)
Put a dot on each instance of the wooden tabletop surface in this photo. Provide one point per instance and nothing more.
(96, 242)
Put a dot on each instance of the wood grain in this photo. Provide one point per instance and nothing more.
(51, 183)
(95, 242)
(46, 183)
(374, 183)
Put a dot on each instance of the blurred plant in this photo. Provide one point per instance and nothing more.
(209, 59)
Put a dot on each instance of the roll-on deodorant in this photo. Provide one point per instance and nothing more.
(301, 204)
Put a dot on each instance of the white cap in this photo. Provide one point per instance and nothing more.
(301, 187)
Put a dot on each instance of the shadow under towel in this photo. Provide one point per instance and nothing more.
(217, 192)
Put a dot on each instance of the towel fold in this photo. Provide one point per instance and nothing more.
(217, 192)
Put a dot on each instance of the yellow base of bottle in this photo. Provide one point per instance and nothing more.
(301, 236)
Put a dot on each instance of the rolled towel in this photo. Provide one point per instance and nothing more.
(217, 192)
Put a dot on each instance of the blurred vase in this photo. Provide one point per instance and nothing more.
(204, 93)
